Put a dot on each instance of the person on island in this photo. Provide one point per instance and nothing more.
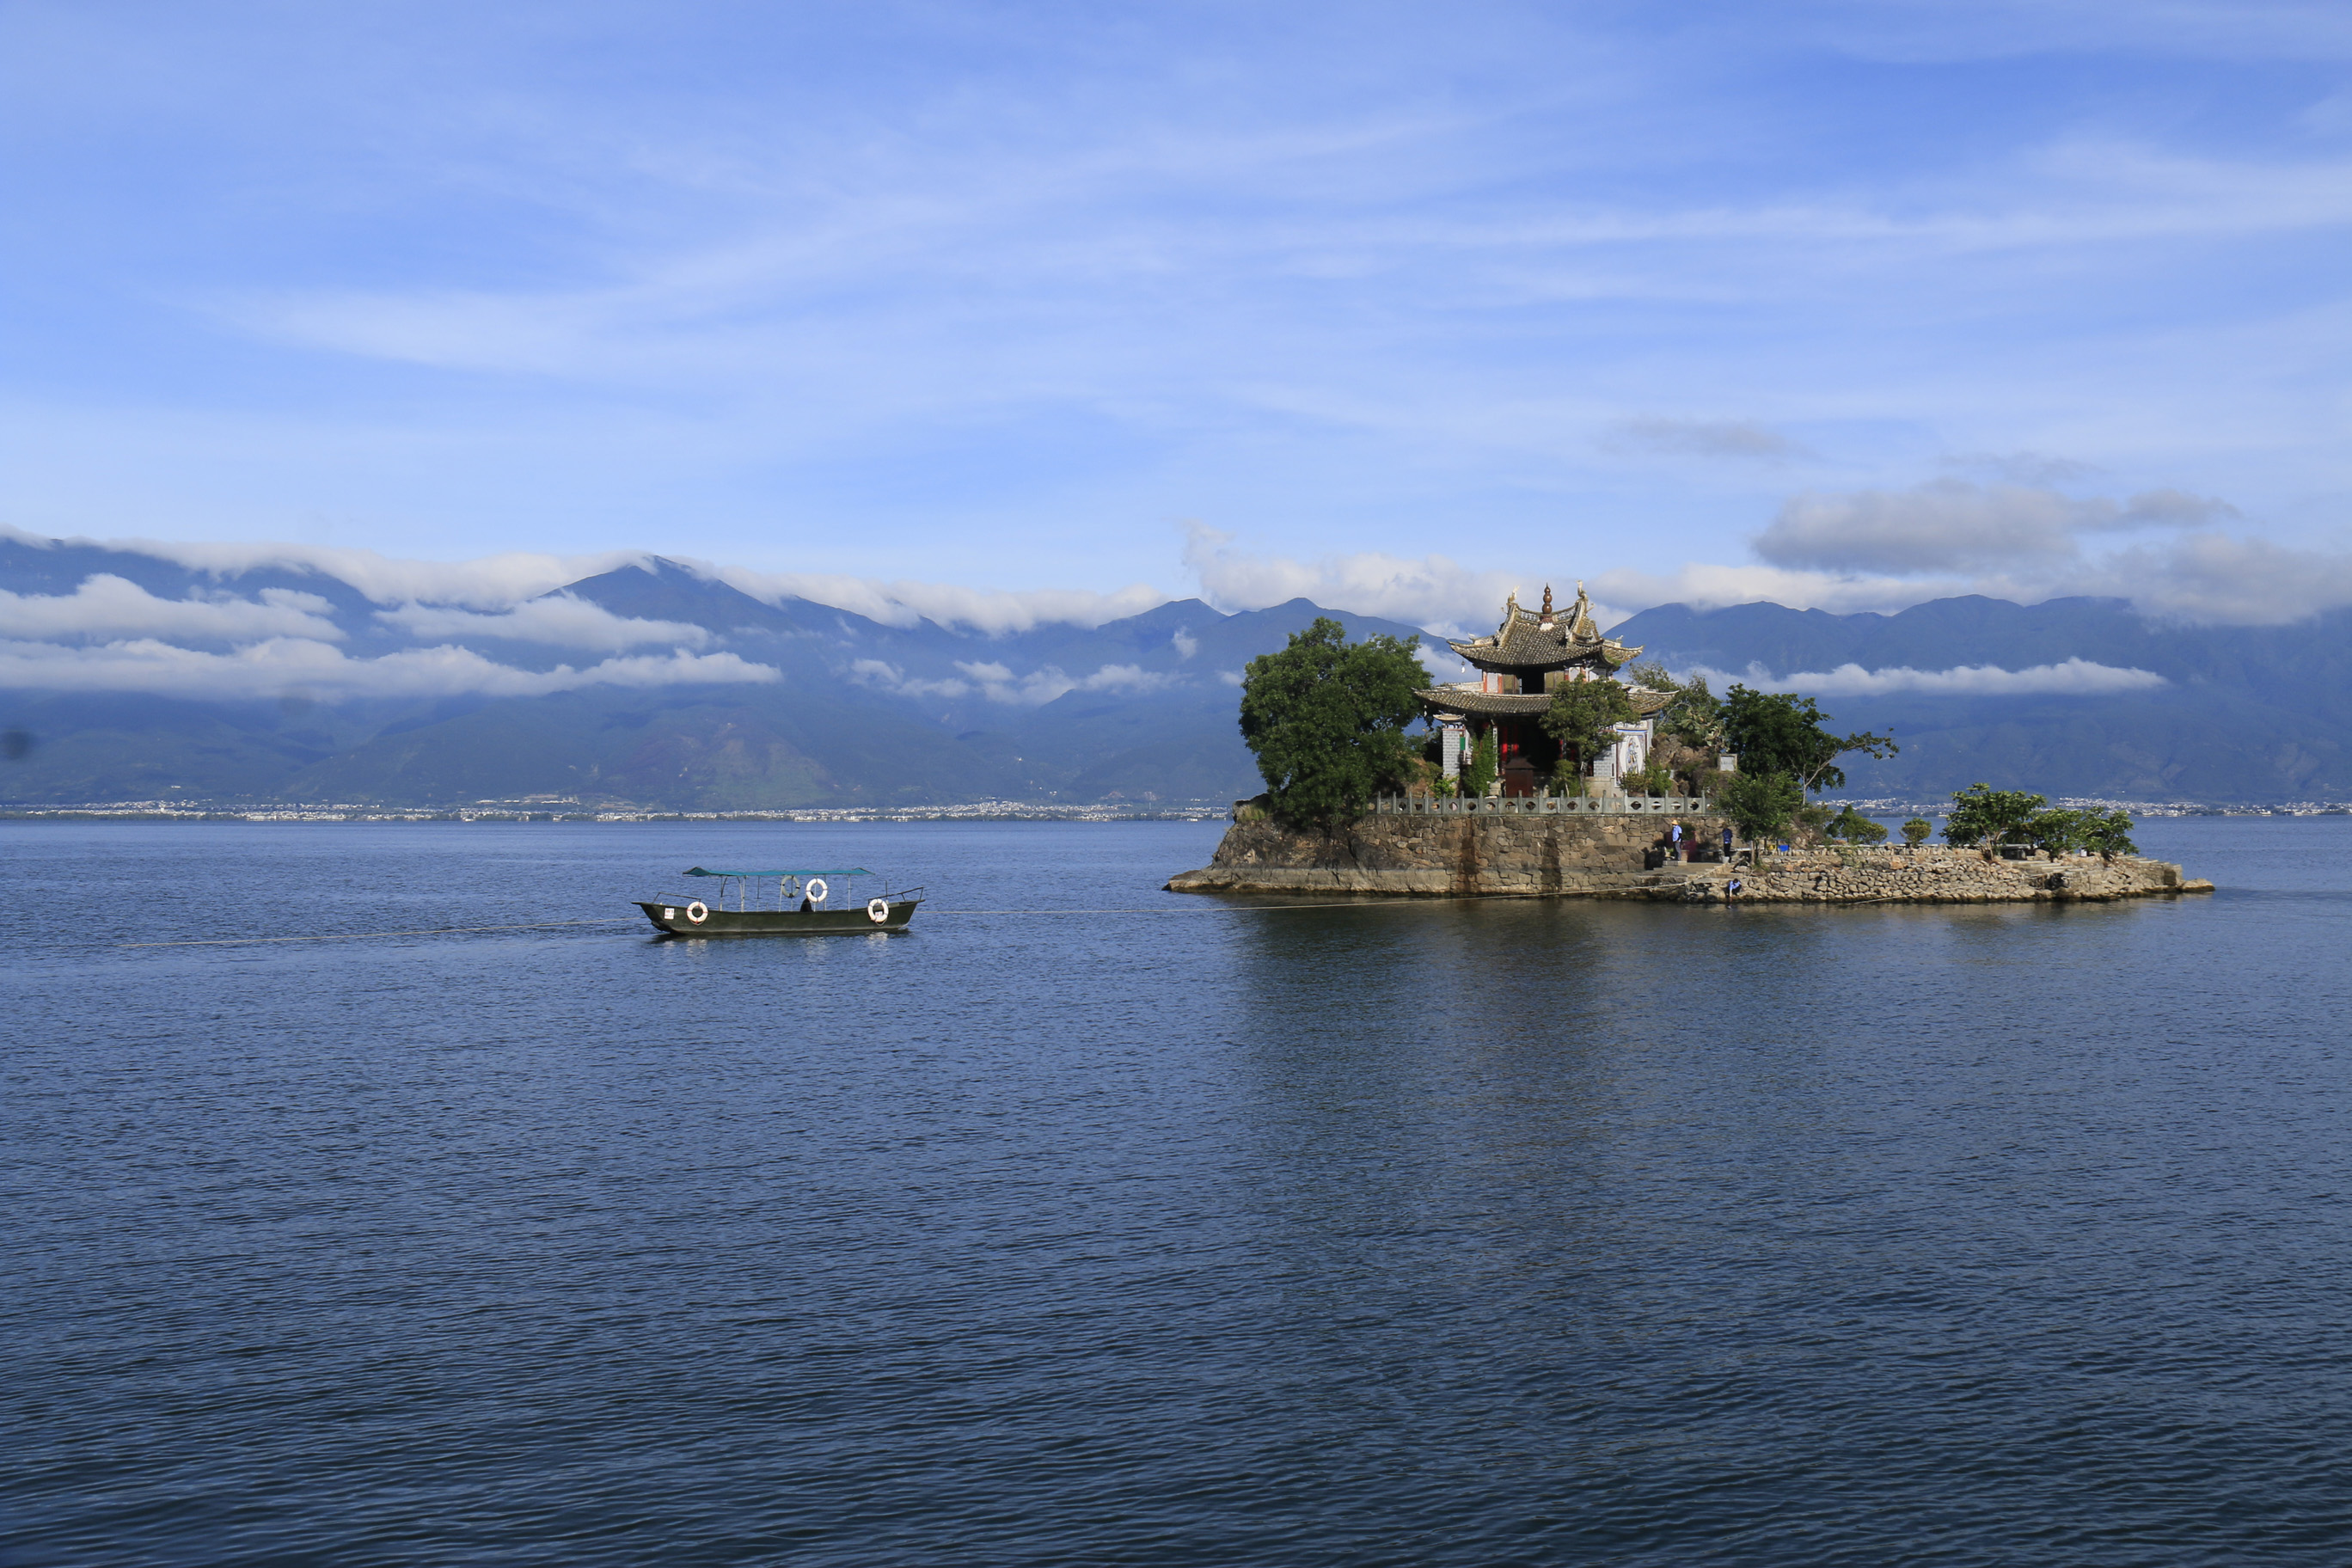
(1677, 840)
(1726, 844)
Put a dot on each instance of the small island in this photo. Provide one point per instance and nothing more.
(1550, 776)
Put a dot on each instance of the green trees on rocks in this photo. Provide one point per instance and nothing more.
(1915, 831)
(2108, 834)
(1851, 827)
(1984, 817)
(1327, 719)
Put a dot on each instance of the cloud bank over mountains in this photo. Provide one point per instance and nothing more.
(2073, 678)
(354, 622)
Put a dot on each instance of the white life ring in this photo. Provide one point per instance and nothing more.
(815, 890)
(876, 911)
(698, 911)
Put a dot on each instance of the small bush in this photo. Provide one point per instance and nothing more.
(1915, 831)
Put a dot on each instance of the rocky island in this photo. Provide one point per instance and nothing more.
(1550, 776)
(1616, 855)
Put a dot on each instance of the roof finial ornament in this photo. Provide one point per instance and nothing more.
(1547, 609)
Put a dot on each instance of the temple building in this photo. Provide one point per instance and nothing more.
(1529, 656)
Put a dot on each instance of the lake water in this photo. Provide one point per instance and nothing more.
(1482, 1233)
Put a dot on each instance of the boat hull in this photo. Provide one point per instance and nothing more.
(672, 919)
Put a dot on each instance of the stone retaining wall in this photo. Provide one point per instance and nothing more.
(1441, 857)
(1543, 857)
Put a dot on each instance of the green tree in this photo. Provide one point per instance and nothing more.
(1915, 831)
(1651, 676)
(1694, 715)
(1480, 768)
(2055, 832)
(2108, 834)
(1854, 828)
(1327, 719)
(1583, 717)
(1984, 817)
(1781, 732)
(1760, 805)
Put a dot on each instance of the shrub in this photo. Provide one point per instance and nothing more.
(1915, 831)
(1479, 772)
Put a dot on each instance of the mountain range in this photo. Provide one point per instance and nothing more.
(844, 711)
(2075, 696)
(130, 674)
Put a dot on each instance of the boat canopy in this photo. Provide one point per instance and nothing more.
(852, 872)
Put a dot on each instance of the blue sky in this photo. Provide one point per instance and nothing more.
(1838, 304)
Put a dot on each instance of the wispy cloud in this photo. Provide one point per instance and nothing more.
(490, 582)
(108, 606)
(317, 669)
(902, 603)
(558, 621)
(998, 683)
(1949, 525)
(2074, 677)
(1432, 592)
(1732, 438)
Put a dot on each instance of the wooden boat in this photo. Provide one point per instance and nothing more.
(815, 914)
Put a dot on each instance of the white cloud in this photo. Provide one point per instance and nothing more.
(2219, 579)
(890, 677)
(2075, 678)
(900, 603)
(1185, 643)
(105, 605)
(997, 683)
(1431, 592)
(492, 581)
(1735, 438)
(1947, 525)
(1707, 586)
(559, 621)
(293, 664)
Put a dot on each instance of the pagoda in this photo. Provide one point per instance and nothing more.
(1530, 656)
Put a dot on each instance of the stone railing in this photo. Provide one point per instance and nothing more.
(1541, 806)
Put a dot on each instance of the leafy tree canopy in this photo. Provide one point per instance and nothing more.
(2055, 833)
(1855, 828)
(2108, 834)
(1583, 716)
(1982, 814)
(1915, 831)
(1327, 719)
(1695, 714)
(1760, 806)
(1781, 732)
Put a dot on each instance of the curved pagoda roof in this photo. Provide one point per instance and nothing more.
(1538, 640)
(1468, 701)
